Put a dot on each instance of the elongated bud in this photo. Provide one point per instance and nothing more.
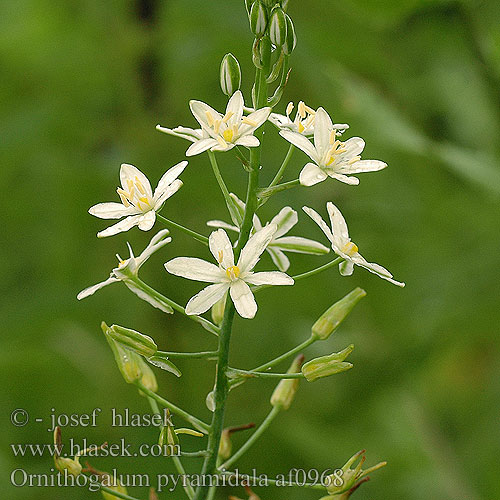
(225, 447)
(277, 27)
(258, 18)
(218, 311)
(230, 74)
(327, 365)
(333, 316)
(248, 5)
(128, 361)
(148, 378)
(291, 38)
(141, 344)
(287, 388)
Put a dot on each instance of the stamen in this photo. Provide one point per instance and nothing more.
(302, 109)
(123, 199)
(210, 118)
(350, 249)
(309, 110)
(130, 184)
(217, 126)
(228, 116)
(354, 160)
(289, 108)
(332, 136)
(233, 272)
(249, 122)
(221, 141)
(139, 186)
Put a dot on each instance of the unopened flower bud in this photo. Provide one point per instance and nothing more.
(258, 18)
(148, 378)
(225, 446)
(128, 361)
(333, 316)
(248, 5)
(141, 344)
(327, 365)
(291, 38)
(218, 311)
(349, 479)
(277, 27)
(285, 391)
(230, 74)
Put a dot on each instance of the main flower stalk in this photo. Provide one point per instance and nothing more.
(222, 382)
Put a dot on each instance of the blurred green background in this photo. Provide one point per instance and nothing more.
(83, 85)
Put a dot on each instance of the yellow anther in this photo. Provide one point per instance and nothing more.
(302, 109)
(130, 184)
(233, 272)
(354, 160)
(210, 118)
(309, 121)
(228, 134)
(350, 249)
(139, 186)
(249, 122)
(332, 136)
(289, 108)
(217, 126)
(123, 199)
(228, 116)
(309, 110)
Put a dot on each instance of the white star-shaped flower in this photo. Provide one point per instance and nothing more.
(128, 270)
(343, 246)
(304, 120)
(285, 220)
(138, 203)
(221, 132)
(331, 157)
(228, 276)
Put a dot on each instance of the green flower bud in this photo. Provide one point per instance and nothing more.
(141, 344)
(332, 317)
(218, 311)
(230, 74)
(291, 38)
(277, 27)
(128, 361)
(148, 378)
(258, 18)
(349, 479)
(285, 391)
(327, 365)
(225, 447)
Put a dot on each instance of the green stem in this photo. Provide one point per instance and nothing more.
(192, 355)
(253, 373)
(281, 170)
(205, 323)
(116, 493)
(196, 422)
(221, 381)
(265, 194)
(177, 462)
(253, 438)
(197, 236)
(194, 454)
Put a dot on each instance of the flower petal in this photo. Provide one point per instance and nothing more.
(147, 221)
(129, 172)
(235, 106)
(322, 128)
(222, 225)
(311, 174)
(194, 269)
(299, 245)
(221, 248)
(200, 146)
(352, 181)
(150, 299)
(168, 177)
(302, 143)
(120, 227)
(111, 210)
(190, 134)
(255, 119)
(92, 289)
(167, 193)
(269, 278)
(248, 141)
(377, 269)
(353, 146)
(205, 299)
(200, 111)
(243, 299)
(363, 166)
(339, 226)
(281, 261)
(321, 223)
(285, 220)
(254, 247)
